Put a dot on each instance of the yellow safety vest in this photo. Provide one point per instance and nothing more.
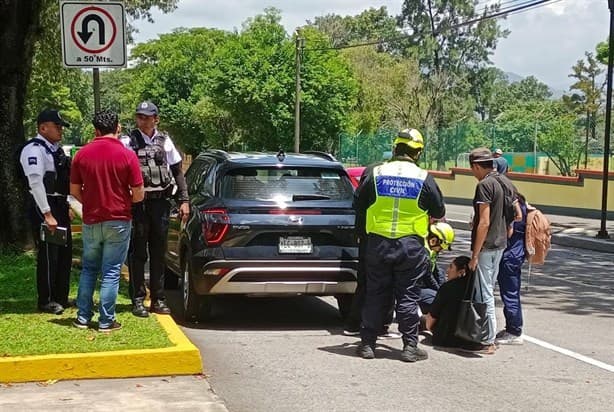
(395, 212)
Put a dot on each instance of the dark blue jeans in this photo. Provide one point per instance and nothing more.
(393, 266)
(354, 318)
(509, 286)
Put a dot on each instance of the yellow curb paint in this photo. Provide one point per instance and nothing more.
(181, 359)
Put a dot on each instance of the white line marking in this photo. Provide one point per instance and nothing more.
(569, 353)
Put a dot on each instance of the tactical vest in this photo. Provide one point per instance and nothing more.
(152, 158)
(57, 182)
(395, 212)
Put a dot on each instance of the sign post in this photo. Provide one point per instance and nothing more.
(93, 36)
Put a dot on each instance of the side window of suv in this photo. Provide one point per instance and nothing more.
(196, 174)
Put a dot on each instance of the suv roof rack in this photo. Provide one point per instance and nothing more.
(323, 155)
(219, 152)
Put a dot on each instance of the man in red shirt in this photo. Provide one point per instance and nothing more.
(106, 178)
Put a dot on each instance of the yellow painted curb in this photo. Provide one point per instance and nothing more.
(181, 359)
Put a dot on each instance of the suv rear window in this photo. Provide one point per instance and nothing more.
(287, 184)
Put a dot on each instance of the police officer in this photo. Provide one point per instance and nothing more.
(47, 170)
(397, 197)
(160, 164)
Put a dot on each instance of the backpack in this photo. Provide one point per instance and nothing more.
(509, 198)
(537, 236)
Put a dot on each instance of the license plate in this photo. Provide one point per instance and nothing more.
(295, 244)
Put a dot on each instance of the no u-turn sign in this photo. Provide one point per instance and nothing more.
(93, 34)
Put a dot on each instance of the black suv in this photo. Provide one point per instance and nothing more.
(264, 224)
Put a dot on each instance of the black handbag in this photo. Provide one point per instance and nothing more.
(472, 321)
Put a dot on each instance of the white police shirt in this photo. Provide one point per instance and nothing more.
(36, 161)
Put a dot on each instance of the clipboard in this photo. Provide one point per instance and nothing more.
(58, 237)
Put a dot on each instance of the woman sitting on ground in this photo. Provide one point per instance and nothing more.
(441, 320)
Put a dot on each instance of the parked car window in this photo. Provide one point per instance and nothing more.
(260, 183)
(196, 174)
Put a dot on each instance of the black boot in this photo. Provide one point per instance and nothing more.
(413, 354)
(366, 351)
(138, 309)
(160, 307)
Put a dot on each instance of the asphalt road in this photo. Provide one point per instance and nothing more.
(289, 354)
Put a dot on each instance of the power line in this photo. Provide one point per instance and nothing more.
(511, 10)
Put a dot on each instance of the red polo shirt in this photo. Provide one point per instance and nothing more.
(106, 170)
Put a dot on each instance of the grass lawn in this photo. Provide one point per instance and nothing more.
(24, 331)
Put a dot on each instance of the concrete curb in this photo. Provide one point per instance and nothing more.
(583, 242)
(580, 242)
(181, 359)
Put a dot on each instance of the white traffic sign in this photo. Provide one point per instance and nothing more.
(93, 34)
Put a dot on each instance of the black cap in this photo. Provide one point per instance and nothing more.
(147, 108)
(50, 115)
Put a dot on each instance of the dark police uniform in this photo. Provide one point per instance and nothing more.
(397, 199)
(45, 162)
(160, 162)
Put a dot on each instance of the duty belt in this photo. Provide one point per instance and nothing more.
(158, 194)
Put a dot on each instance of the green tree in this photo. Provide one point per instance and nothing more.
(370, 25)
(254, 82)
(547, 123)
(488, 85)
(174, 71)
(588, 99)
(558, 139)
(529, 89)
(390, 91)
(602, 50)
(448, 53)
(25, 28)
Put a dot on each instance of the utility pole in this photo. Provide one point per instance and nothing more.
(297, 97)
(96, 79)
(603, 233)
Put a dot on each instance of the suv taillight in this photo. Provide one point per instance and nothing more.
(215, 225)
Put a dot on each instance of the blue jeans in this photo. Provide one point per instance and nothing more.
(105, 246)
(509, 286)
(487, 271)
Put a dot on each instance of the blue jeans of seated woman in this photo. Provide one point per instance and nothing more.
(105, 246)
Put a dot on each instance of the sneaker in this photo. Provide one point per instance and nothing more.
(52, 307)
(413, 354)
(80, 325)
(160, 307)
(389, 335)
(509, 339)
(351, 332)
(110, 328)
(139, 310)
(500, 333)
(365, 351)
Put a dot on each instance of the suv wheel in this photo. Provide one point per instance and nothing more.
(344, 302)
(195, 307)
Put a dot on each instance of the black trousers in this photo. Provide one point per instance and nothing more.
(148, 240)
(53, 262)
(354, 318)
(393, 265)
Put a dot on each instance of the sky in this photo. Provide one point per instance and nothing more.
(545, 42)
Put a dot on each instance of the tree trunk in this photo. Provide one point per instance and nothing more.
(19, 21)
